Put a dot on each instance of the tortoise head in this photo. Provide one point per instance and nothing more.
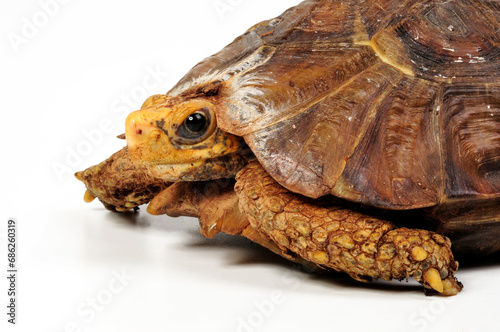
(179, 140)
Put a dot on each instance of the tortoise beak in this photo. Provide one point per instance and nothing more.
(138, 128)
(146, 139)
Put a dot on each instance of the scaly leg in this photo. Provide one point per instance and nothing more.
(342, 239)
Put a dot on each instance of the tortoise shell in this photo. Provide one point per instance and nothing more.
(390, 103)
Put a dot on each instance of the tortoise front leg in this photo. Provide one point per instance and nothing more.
(119, 184)
(342, 239)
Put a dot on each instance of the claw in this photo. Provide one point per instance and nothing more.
(88, 197)
(433, 278)
(79, 176)
(452, 286)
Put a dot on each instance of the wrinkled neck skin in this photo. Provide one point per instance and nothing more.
(222, 167)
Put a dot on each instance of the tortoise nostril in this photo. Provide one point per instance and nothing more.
(138, 131)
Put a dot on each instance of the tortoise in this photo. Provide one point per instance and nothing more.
(359, 136)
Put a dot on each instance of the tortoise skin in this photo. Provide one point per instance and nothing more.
(393, 104)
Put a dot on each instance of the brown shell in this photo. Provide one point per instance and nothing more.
(390, 103)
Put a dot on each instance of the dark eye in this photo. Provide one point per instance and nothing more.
(195, 126)
(196, 122)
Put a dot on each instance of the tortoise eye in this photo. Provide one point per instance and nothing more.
(195, 127)
(195, 123)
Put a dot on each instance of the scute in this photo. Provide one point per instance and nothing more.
(446, 41)
(303, 75)
(470, 131)
(394, 104)
(397, 162)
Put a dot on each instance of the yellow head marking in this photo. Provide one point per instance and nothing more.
(181, 140)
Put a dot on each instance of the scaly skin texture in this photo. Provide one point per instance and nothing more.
(344, 240)
(119, 184)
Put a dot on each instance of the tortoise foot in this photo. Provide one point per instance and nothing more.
(421, 254)
(119, 184)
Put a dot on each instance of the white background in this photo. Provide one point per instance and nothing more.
(64, 92)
